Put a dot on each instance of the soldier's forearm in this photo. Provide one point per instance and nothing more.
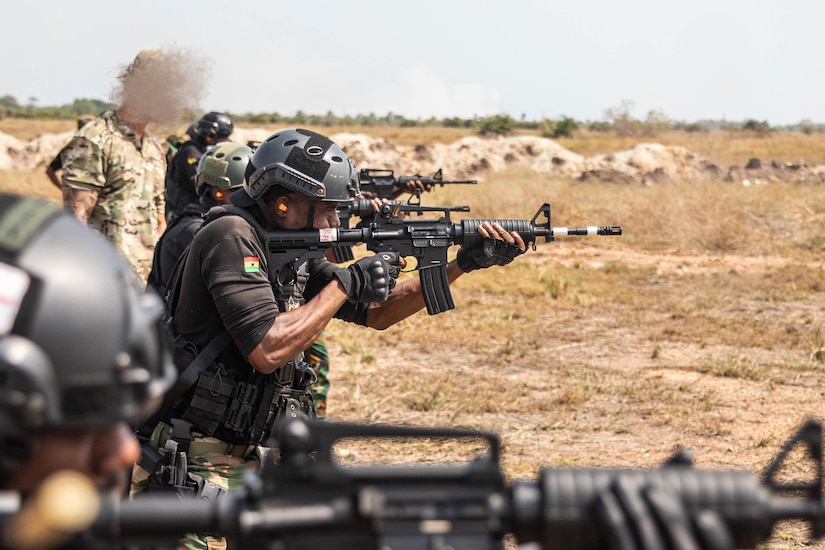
(53, 177)
(79, 202)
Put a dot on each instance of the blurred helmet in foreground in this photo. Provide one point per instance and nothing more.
(81, 345)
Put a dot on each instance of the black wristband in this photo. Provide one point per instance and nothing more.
(345, 277)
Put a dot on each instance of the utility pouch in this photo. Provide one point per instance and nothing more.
(296, 403)
(211, 398)
(172, 476)
(284, 392)
(170, 473)
(242, 410)
(283, 401)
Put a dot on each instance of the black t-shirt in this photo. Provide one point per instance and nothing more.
(180, 177)
(225, 284)
(173, 242)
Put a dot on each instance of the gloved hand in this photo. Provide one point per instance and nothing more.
(647, 517)
(490, 251)
(370, 279)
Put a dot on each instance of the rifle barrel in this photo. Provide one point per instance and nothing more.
(589, 230)
(467, 230)
(402, 180)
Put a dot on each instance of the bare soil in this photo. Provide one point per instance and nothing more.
(605, 383)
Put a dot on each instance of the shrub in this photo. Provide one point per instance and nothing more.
(497, 125)
(599, 126)
(761, 129)
(565, 127)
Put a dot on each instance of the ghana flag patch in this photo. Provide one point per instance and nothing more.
(251, 264)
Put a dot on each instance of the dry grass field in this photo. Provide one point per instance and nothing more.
(701, 326)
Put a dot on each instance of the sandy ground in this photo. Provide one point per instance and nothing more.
(611, 385)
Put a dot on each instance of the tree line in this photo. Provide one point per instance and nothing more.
(619, 120)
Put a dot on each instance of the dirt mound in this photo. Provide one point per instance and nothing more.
(646, 163)
(758, 172)
(474, 156)
(33, 154)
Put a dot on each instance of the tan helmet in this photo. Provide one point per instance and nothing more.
(222, 166)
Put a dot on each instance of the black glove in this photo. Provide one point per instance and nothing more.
(370, 279)
(647, 517)
(489, 252)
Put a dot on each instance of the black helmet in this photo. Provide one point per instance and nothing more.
(217, 125)
(81, 345)
(222, 166)
(192, 131)
(304, 162)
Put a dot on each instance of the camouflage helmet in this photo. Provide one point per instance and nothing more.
(217, 125)
(222, 166)
(304, 162)
(81, 345)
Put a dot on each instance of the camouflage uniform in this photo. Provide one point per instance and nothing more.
(317, 357)
(211, 459)
(105, 157)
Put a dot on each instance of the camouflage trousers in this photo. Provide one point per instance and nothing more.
(317, 356)
(226, 471)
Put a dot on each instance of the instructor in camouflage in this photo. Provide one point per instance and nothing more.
(114, 168)
(113, 179)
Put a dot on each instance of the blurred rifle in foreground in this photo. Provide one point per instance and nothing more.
(317, 502)
(397, 227)
(384, 184)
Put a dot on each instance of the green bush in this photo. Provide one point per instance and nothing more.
(599, 126)
(565, 127)
(496, 125)
(547, 127)
(759, 128)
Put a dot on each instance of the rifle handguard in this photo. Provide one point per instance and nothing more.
(486, 254)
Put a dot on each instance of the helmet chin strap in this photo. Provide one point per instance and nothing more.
(311, 216)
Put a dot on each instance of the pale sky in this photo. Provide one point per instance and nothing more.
(691, 60)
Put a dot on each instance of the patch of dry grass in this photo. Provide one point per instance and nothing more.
(34, 184)
(721, 147)
(26, 129)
